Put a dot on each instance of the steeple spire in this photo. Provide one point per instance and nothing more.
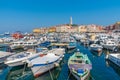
(70, 20)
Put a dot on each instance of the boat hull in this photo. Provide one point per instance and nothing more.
(71, 47)
(86, 77)
(39, 70)
(113, 48)
(80, 66)
(18, 63)
(114, 59)
(99, 50)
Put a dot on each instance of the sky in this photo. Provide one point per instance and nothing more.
(25, 15)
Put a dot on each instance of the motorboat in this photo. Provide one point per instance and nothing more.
(96, 47)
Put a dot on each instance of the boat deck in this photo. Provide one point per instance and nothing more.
(117, 55)
(59, 44)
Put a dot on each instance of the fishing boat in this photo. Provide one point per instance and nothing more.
(96, 48)
(45, 62)
(79, 66)
(115, 58)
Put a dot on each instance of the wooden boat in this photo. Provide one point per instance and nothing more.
(45, 61)
(79, 66)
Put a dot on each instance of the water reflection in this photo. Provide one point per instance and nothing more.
(114, 66)
(96, 53)
(17, 73)
(71, 51)
(4, 70)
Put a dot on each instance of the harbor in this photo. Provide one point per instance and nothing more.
(96, 72)
(59, 40)
(57, 55)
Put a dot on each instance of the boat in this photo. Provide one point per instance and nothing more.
(79, 66)
(110, 45)
(45, 62)
(21, 58)
(7, 33)
(18, 59)
(5, 51)
(44, 44)
(5, 48)
(114, 66)
(96, 47)
(84, 41)
(72, 45)
(4, 56)
(115, 58)
(22, 44)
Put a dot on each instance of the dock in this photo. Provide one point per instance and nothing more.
(59, 44)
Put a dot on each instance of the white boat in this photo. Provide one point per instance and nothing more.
(103, 36)
(115, 58)
(18, 59)
(4, 55)
(45, 62)
(78, 37)
(110, 45)
(72, 43)
(7, 33)
(22, 44)
(96, 47)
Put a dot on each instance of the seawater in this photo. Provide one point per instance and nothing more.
(101, 69)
